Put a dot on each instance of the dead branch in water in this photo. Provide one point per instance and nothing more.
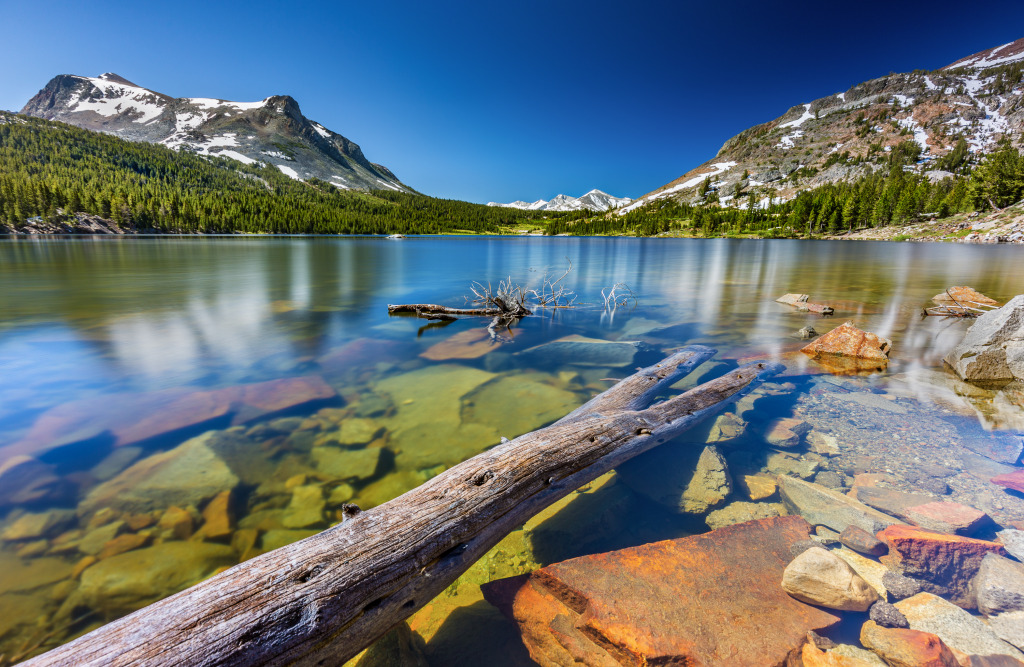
(323, 599)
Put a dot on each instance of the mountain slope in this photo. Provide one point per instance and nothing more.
(272, 131)
(846, 136)
(595, 200)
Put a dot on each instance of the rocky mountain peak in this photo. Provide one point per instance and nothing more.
(272, 131)
(1012, 52)
(595, 200)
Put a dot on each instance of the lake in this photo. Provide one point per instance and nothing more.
(171, 406)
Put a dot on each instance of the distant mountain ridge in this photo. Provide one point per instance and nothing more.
(595, 200)
(272, 130)
(845, 136)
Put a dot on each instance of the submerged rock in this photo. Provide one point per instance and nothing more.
(964, 295)
(1013, 480)
(680, 479)
(189, 474)
(947, 517)
(32, 526)
(1013, 540)
(581, 351)
(957, 628)
(517, 404)
(945, 563)
(348, 464)
(846, 349)
(468, 344)
(741, 512)
(126, 582)
(907, 648)
(860, 540)
(819, 577)
(888, 616)
(671, 602)
(786, 432)
(825, 507)
(999, 591)
(993, 347)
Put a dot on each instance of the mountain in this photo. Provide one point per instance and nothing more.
(595, 200)
(272, 131)
(922, 115)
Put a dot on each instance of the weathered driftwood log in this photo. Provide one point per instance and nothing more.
(422, 309)
(325, 598)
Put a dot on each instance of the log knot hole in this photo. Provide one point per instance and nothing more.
(481, 478)
(310, 573)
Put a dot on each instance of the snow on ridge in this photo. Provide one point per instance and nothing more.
(988, 59)
(211, 103)
(321, 130)
(118, 98)
(594, 200)
(288, 171)
(802, 119)
(719, 169)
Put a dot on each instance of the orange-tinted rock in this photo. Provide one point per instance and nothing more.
(812, 656)
(964, 295)
(944, 563)
(469, 344)
(1013, 480)
(902, 647)
(177, 523)
(703, 600)
(947, 517)
(218, 517)
(126, 419)
(122, 544)
(137, 522)
(800, 302)
(81, 565)
(847, 349)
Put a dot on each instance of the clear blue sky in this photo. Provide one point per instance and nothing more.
(501, 101)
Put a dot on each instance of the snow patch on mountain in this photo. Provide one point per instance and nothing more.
(717, 169)
(807, 115)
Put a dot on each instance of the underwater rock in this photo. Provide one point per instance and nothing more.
(757, 487)
(993, 347)
(947, 517)
(123, 544)
(679, 478)
(354, 432)
(671, 602)
(998, 589)
(728, 426)
(825, 507)
(189, 474)
(1013, 480)
(904, 647)
(97, 538)
(821, 578)
(306, 508)
(32, 526)
(741, 512)
(218, 517)
(870, 570)
(23, 479)
(1013, 540)
(888, 500)
(277, 538)
(176, 522)
(801, 303)
(468, 344)
(860, 540)
(786, 432)
(788, 464)
(581, 351)
(348, 463)
(126, 582)
(517, 404)
(945, 563)
(848, 350)
(964, 295)
(23, 576)
(957, 628)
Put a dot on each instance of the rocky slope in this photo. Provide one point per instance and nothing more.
(595, 200)
(272, 130)
(847, 135)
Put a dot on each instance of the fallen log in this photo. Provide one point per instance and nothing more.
(323, 599)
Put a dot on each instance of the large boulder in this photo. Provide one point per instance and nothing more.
(691, 600)
(126, 582)
(847, 349)
(1013, 540)
(189, 474)
(819, 577)
(944, 563)
(999, 591)
(993, 348)
(903, 647)
(679, 478)
(824, 507)
(957, 628)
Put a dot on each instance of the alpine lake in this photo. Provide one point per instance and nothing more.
(172, 406)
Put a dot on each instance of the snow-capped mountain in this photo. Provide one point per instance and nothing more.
(847, 135)
(595, 200)
(272, 130)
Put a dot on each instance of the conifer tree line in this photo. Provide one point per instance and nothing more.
(48, 167)
(890, 197)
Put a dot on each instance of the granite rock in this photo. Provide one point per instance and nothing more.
(819, 577)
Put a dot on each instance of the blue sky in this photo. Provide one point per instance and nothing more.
(500, 101)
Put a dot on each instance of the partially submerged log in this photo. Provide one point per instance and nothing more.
(325, 598)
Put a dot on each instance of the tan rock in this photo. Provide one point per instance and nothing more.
(902, 647)
(758, 487)
(786, 432)
(123, 544)
(81, 565)
(812, 656)
(468, 344)
(33, 549)
(244, 539)
(306, 508)
(176, 522)
(33, 526)
(870, 570)
(957, 628)
(741, 512)
(819, 577)
(218, 517)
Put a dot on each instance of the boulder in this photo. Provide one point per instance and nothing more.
(686, 601)
(825, 507)
(819, 577)
(670, 476)
(790, 464)
(1013, 541)
(956, 627)
(123, 583)
(901, 647)
(846, 349)
(947, 517)
(786, 432)
(581, 351)
(347, 464)
(189, 474)
(887, 616)
(861, 541)
(964, 295)
(945, 564)
(741, 512)
(993, 347)
(870, 570)
(999, 591)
